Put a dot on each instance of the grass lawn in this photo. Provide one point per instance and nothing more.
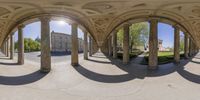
(133, 54)
(163, 58)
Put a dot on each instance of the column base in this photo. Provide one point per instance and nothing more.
(86, 58)
(45, 70)
(20, 63)
(125, 63)
(75, 64)
(187, 57)
(114, 57)
(151, 68)
(176, 62)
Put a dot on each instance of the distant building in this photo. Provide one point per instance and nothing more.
(160, 46)
(61, 42)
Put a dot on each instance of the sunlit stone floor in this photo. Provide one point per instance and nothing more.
(99, 78)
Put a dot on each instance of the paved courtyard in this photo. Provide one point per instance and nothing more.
(55, 57)
(99, 78)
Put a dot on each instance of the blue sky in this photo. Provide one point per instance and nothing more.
(165, 31)
(33, 30)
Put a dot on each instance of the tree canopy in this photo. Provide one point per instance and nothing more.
(29, 45)
(139, 34)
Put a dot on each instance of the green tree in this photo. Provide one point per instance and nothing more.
(38, 39)
(181, 43)
(29, 45)
(120, 37)
(139, 35)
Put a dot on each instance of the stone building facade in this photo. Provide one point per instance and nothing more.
(61, 42)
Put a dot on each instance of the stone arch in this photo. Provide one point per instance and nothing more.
(30, 17)
(145, 15)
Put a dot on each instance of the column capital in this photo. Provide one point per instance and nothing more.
(20, 26)
(12, 33)
(176, 26)
(153, 19)
(126, 24)
(85, 31)
(45, 18)
(114, 31)
(74, 23)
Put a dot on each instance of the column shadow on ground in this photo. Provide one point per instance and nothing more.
(22, 80)
(135, 71)
(3, 63)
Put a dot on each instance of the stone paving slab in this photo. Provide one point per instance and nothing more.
(99, 78)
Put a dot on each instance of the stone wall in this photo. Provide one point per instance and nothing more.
(61, 42)
(94, 47)
(104, 48)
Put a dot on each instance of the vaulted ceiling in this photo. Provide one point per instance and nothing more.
(100, 17)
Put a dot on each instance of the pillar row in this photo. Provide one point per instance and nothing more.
(7, 47)
(85, 45)
(114, 43)
(20, 45)
(74, 54)
(126, 44)
(176, 44)
(190, 47)
(153, 45)
(45, 45)
(11, 46)
(90, 46)
(186, 46)
(110, 46)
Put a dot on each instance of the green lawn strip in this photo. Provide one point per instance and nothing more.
(163, 58)
(133, 54)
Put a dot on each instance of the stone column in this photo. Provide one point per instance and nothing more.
(90, 46)
(186, 46)
(110, 46)
(176, 44)
(153, 45)
(126, 44)
(20, 45)
(74, 54)
(45, 45)
(8, 47)
(190, 47)
(85, 46)
(11, 46)
(193, 47)
(3, 48)
(114, 42)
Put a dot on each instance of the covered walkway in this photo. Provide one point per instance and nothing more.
(99, 78)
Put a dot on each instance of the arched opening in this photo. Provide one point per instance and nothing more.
(169, 47)
(138, 41)
(31, 39)
(61, 41)
(54, 36)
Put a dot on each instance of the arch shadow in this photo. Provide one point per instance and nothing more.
(103, 78)
(22, 80)
(5, 58)
(195, 62)
(105, 62)
(2, 63)
(98, 56)
(188, 75)
(136, 71)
